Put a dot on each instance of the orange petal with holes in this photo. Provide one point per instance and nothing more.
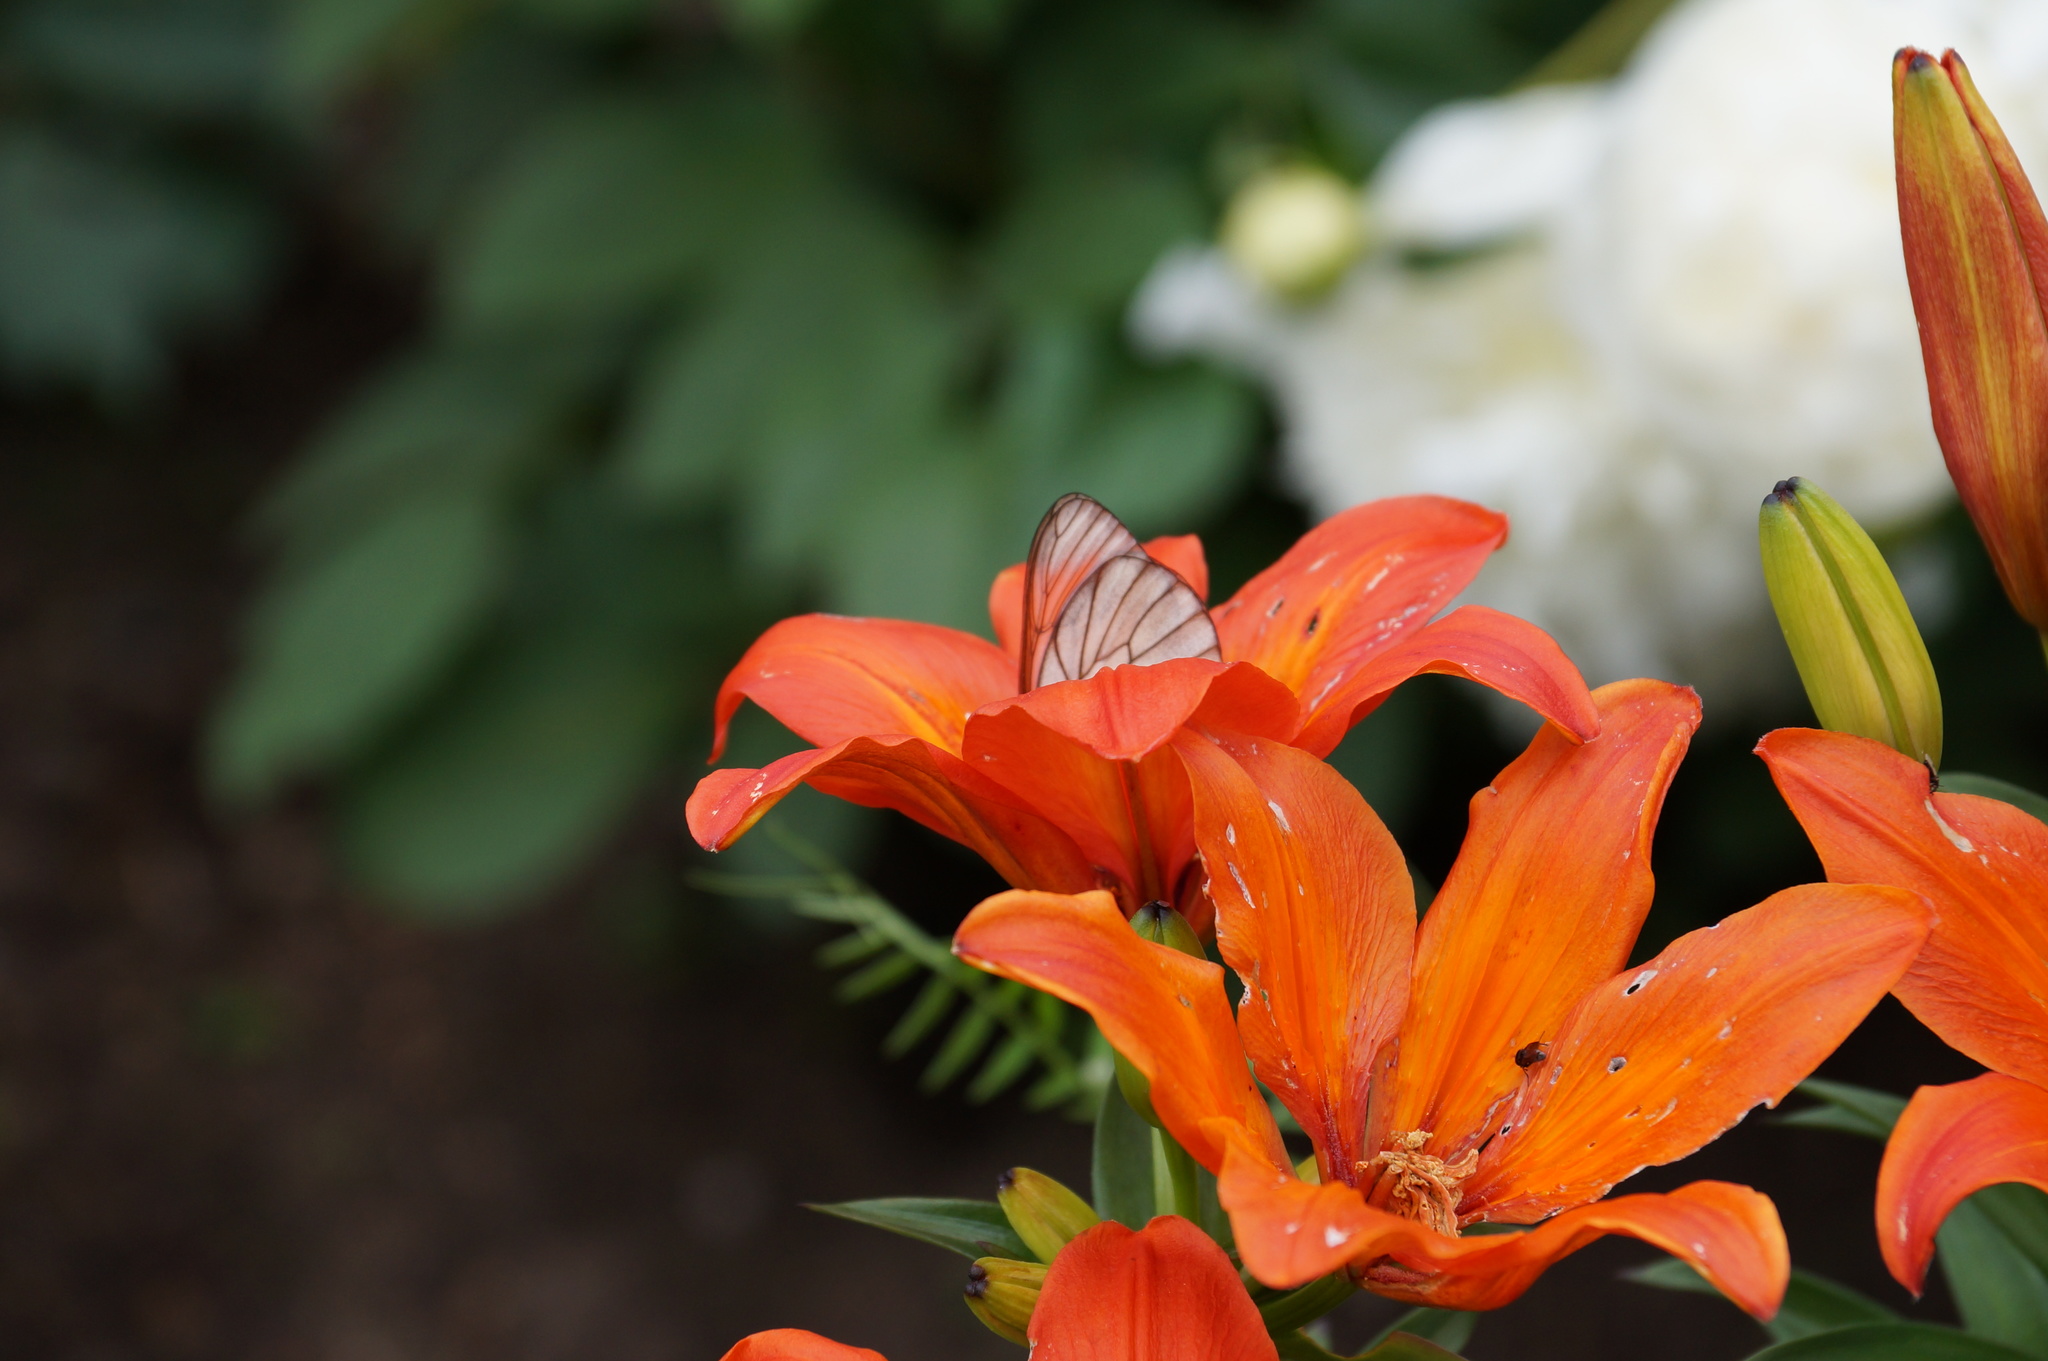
(828, 678)
(1663, 1058)
(1165, 1291)
(1289, 1233)
(1949, 1142)
(1352, 584)
(1316, 912)
(913, 777)
(1362, 581)
(794, 1344)
(1980, 980)
(1542, 904)
(1162, 1010)
(1498, 650)
(1180, 552)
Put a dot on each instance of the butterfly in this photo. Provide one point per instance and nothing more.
(1092, 599)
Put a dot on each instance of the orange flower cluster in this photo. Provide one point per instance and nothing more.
(1498, 1063)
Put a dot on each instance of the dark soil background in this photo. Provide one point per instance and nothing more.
(244, 1114)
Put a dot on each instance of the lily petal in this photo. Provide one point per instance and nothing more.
(1162, 1010)
(1290, 1233)
(1166, 1291)
(1542, 904)
(1663, 1058)
(794, 1344)
(1127, 712)
(1361, 580)
(1498, 650)
(1354, 582)
(1950, 1142)
(914, 778)
(828, 677)
(1090, 756)
(1316, 913)
(1181, 552)
(1980, 980)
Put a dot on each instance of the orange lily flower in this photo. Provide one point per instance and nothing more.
(1499, 1064)
(1976, 246)
(1071, 786)
(1981, 982)
(1112, 1294)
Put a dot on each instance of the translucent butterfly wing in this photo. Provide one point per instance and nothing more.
(1129, 611)
(1076, 537)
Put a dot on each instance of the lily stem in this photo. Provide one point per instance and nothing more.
(1180, 1173)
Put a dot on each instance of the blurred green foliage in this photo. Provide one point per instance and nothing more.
(736, 307)
(138, 184)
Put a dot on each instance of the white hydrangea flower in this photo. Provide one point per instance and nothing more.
(1648, 301)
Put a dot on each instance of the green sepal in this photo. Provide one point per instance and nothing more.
(972, 1228)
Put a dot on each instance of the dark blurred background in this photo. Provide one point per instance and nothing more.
(410, 408)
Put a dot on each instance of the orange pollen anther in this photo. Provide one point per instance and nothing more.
(1417, 1185)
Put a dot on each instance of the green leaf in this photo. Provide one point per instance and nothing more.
(1010, 1061)
(1446, 1328)
(326, 44)
(1122, 1162)
(1987, 787)
(1167, 449)
(452, 420)
(933, 1002)
(1081, 238)
(1847, 1108)
(876, 978)
(1403, 1346)
(2000, 1290)
(102, 259)
(969, 1036)
(616, 202)
(1813, 1304)
(338, 648)
(1296, 1309)
(1890, 1342)
(972, 1228)
(190, 60)
(504, 786)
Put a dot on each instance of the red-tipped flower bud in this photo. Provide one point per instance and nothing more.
(1976, 256)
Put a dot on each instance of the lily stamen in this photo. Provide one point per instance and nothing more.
(1417, 1185)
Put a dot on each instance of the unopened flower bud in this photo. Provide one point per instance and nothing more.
(1157, 922)
(1002, 1293)
(1859, 655)
(1044, 1213)
(1976, 245)
(1294, 231)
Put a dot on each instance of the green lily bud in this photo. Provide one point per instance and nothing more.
(1859, 654)
(1044, 1213)
(1157, 922)
(1294, 231)
(1002, 1293)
